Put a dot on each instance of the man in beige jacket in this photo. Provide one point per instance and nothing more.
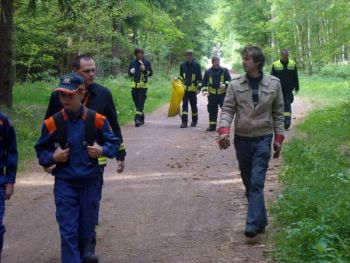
(255, 101)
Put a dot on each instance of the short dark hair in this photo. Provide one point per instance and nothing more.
(214, 58)
(284, 51)
(189, 52)
(256, 53)
(77, 59)
(138, 50)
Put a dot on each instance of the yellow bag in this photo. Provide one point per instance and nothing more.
(177, 95)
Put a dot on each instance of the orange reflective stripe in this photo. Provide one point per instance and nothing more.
(50, 125)
(99, 120)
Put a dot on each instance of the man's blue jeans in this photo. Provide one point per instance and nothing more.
(253, 156)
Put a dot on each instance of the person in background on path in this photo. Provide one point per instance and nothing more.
(255, 102)
(286, 70)
(8, 168)
(215, 82)
(191, 76)
(139, 70)
(70, 144)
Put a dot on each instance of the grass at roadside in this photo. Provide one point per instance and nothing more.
(31, 99)
(312, 212)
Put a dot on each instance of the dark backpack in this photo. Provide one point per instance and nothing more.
(89, 128)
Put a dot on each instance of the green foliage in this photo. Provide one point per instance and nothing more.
(341, 71)
(315, 31)
(313, 210)
(50, 33)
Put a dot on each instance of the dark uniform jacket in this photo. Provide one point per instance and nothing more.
(191, 75)
(214, 77)
(8, 152)
(80, 165)
(99, 99)
(139, 78)
(288, 75)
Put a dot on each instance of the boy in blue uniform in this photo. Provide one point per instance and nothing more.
(8, 168)
(70, 143)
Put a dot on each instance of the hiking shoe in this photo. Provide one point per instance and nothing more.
(90, 259)
(138, 123)
(211, 128)
(183, 125)
(250, 231)
(193, 124)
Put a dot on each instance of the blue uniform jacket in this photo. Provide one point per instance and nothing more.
(79, 166)
(99, 99)
(191, 73)
(137, 76)
(8, 152)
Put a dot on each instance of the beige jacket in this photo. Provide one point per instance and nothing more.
(263, 119)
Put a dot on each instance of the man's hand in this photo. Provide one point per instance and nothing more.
(49, 169)
(277, 145)
(95, 150)
(132, 71)
(224, 138)
(222, 86)
(9, 189)
(60, 155)
(121, 166)
(142, 66)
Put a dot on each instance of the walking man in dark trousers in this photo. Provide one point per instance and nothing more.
(139, 71)
(255, 102)
(191, 76)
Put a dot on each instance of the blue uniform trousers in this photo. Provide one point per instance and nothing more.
(253, 155)
(139, 96)
(77, 208)
(2, 213)
(288, 100)
(214, 102)
(191, 97)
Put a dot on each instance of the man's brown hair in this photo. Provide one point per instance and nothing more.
(256, 53)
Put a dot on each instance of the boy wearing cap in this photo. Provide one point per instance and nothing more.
(8, 167)
(70, 143)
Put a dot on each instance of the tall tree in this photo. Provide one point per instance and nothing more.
(7, 52)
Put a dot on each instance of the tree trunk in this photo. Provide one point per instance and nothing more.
(7, 52)
(116, 48)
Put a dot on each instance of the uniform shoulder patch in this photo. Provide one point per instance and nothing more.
(50, 125)
(99, 120)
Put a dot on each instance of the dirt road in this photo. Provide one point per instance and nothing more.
(179, 200)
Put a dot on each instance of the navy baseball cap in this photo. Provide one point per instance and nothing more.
(70, 83)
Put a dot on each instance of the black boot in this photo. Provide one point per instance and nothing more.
(212, 128)
(183, 125)
(90, 259)
(193, 123)
(138, 123)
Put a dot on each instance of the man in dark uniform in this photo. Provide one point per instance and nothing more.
(8, 168)
(215, 82)
(139, 70)
(97, 98)
(286, 70)
(191, 76)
